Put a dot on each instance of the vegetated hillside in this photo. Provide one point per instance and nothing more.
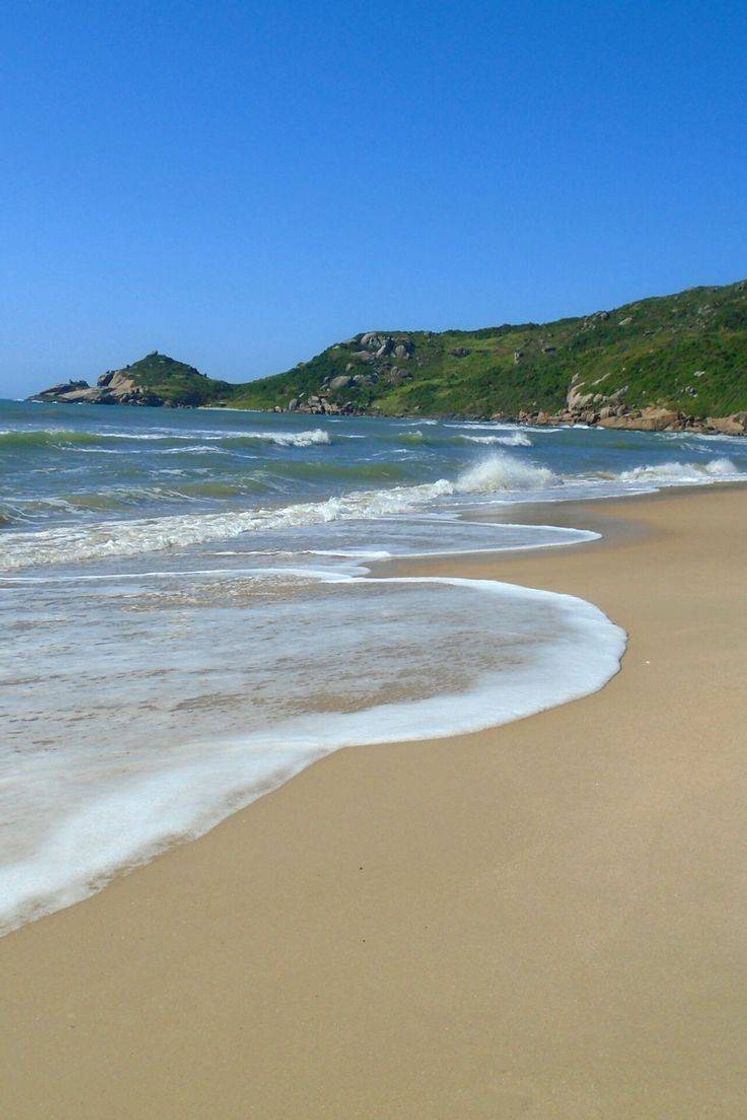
(173, 382)
(155, 380)
(675, 359)
(685, 352)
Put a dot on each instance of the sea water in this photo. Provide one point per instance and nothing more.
(189, 614)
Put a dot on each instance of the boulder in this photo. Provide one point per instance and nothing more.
(575, 399)
(734, 425)
(120, 382)
(371, 340)
(55, 392)
(87, 396)
(341, 382)
(386, 348)
(651, 419)
(659, 419)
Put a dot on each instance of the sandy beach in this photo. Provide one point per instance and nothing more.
(544, 920)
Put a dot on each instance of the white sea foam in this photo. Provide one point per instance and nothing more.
(310, 438)
(295, 439)
(485, 426)
(500, 472)
(673, 473)
(68, 544)
(224, 691)
(104, 800)
(75, 438)
(281, 439)
(500, 426)
(516, 439)
(83, 542)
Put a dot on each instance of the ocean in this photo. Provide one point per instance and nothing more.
(191, 610)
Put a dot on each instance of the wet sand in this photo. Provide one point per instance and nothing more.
(544, 920)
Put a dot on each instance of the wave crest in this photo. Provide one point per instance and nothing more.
(70, 437)
(65, 544)
(517, 439)
(502, 472)
(680, 472)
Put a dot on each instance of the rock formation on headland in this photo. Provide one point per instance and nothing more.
(111, 388)
(156, 380)
(670, 363)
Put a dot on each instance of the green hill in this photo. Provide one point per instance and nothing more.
(686, 352)
(155, 380)
(173, 382)
(679, 359)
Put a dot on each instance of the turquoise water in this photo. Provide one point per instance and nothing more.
(189, 615)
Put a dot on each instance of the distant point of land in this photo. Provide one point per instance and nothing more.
(664, 363)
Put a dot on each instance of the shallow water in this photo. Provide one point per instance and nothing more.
(187, 619)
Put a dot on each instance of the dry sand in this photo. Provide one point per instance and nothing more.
(545, 920)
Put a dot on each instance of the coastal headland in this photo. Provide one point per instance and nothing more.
(543, 920)
(667, 363)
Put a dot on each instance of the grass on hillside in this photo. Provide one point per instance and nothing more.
(686, 351)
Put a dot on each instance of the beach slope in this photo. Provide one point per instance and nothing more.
(544, 920)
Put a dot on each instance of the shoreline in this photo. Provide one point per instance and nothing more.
(540, 919)
(645, 420)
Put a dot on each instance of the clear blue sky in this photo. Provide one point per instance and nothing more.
(240, 184)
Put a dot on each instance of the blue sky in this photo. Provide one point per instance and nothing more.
(241, 184)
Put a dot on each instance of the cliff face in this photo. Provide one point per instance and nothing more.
(670, 362)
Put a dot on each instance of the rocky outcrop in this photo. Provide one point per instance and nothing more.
(341, 382)
(587, 403)
(63, 389)
(648, 420)
(652, 419)
(734, 425)
(372, 359)
(114, 387)
(318, 405)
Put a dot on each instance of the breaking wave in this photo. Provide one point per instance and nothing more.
(502, 472)
(66, 544)
(672, 473)
(66, 437)
(517, 439)
(497, 474)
